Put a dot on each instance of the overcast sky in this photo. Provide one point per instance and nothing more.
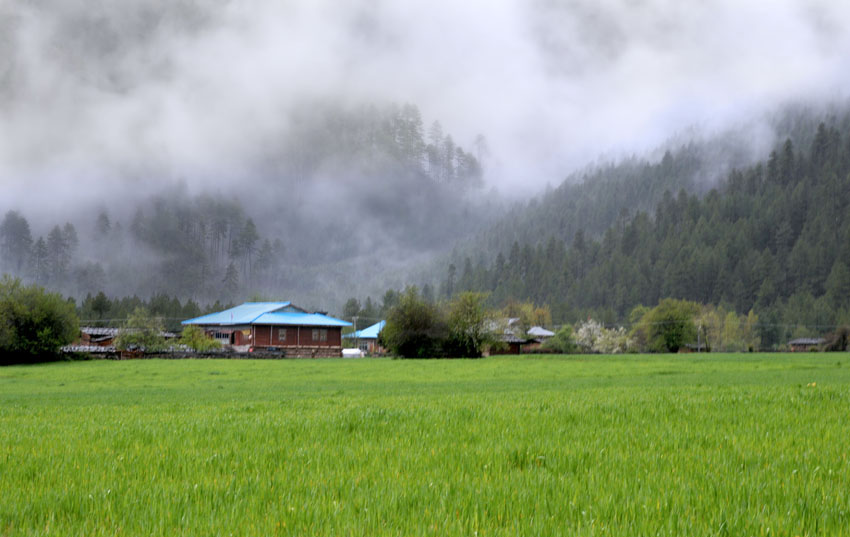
(95, 95)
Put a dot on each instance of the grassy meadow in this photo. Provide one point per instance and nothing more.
(581, 445)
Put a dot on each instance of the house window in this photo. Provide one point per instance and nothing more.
(281, 334)
(320, 334)
(223, 337)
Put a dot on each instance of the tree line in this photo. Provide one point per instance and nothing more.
(101, 310)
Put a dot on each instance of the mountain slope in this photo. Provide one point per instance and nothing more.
(773, 236)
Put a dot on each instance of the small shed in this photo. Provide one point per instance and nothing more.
(512, 344)
(805, 344)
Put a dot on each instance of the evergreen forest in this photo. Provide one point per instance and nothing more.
(772, 237)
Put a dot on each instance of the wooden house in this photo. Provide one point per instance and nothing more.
(275, 326)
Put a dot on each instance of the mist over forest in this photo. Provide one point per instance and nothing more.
(355, 195)
(220, 150)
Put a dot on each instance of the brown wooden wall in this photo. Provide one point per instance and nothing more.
(269, 336)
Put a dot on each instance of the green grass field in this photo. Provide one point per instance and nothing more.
(588, 445)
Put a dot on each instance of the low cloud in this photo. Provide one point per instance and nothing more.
(101, 100)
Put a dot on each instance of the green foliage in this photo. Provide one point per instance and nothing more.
(838, 285)
(563, 342)
(726, 331)
(418, 328)
(142, 331)
(415, 328)
(34, 324)
(196, 339)
(669, 326)
(469, 327)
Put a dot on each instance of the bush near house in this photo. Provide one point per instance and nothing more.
(196, 339)
(563, 342)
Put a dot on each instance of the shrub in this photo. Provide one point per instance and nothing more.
(562, 342)
(34, 324)
(196, 339)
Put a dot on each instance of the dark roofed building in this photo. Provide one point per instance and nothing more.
(805, 344)
(97, 336)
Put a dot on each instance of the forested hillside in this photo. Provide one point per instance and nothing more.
(609, 192)
(773, 237)
(340, 202)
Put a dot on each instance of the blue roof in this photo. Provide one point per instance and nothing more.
(368, 333)
(277, 313)
(244, 314)
(299, 319)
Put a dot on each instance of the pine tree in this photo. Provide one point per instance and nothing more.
(102, 226)
(230, 282)
(57, 252)
(40, 262)
(15, 242)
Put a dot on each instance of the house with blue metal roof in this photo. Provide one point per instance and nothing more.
(367, 339)
(275, 325)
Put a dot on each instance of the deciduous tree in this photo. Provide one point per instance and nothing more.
(415, 328)
(142, 331)
(34, 324)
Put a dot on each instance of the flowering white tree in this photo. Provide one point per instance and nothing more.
(613, 341)
(588, 333)
(593, 337)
